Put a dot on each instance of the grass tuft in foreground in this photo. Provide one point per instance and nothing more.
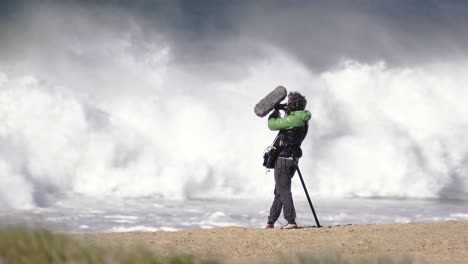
(40, 246)
(20, 245)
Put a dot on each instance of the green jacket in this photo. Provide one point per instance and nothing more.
(294, 119)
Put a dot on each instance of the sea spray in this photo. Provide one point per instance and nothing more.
(375, 132)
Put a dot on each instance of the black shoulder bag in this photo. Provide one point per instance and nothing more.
(271, 154)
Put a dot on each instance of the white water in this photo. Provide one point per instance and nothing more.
(375, 132)
(114, 115)
(84, 214)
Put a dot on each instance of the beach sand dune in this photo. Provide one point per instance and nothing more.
(442, 242)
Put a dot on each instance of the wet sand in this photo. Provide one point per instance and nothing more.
(444, 242)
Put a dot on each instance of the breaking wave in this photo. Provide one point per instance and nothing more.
(375, 132)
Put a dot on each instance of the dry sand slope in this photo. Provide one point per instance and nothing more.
(445, 242)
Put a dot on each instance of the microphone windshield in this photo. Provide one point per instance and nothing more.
(270, 101)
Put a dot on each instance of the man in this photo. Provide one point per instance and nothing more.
(293, 129)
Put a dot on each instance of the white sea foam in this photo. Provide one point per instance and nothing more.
(402, 220)
(125, 217)
(462, 216)
(135, 229)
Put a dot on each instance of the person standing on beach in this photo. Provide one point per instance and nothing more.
(293, 129)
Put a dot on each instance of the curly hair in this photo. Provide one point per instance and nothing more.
(296, 101)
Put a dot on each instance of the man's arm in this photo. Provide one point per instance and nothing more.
(276, 122)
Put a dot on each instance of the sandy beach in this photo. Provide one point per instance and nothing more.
(442, 242)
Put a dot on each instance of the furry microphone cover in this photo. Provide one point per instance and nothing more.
(270, 101)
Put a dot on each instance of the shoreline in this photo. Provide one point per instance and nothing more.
(437, 242)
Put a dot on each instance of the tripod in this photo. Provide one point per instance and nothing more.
(308, 197)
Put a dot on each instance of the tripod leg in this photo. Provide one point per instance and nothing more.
(308, 198)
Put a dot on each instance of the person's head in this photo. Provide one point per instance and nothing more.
(296, 101)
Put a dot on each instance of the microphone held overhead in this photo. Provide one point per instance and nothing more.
(270, 101)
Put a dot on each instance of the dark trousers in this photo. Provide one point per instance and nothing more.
(284, 171)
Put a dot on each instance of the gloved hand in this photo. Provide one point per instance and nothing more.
(275, 114)
(281, 107)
